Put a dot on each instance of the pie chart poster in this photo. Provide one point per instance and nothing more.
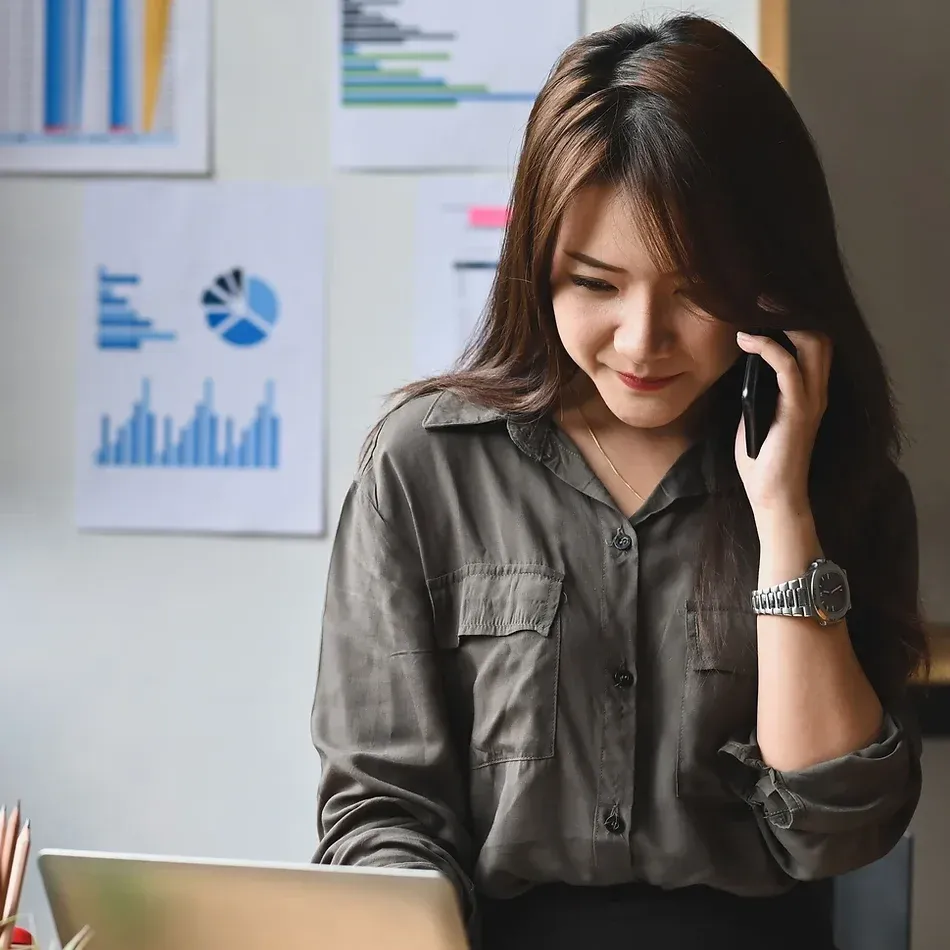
(201, 364)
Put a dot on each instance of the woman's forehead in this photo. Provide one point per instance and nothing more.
(607, 222)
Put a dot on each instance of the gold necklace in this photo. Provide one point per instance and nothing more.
(600, 449)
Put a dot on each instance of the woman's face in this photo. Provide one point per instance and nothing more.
(648, 350)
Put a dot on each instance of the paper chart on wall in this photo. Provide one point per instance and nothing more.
(442, 83)
(105, 86)
(200, 402)
(460, 224)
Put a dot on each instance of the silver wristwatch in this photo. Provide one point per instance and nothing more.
(822, 593)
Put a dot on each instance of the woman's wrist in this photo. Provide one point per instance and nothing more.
(788, 543)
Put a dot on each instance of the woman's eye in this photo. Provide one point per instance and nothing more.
(591, 283)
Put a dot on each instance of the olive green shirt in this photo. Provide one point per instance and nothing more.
(512, 689)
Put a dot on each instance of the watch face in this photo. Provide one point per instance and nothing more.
(830, 592)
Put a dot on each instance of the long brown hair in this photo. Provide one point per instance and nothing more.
(725, 179)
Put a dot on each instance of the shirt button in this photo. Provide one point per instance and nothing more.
(614, 824)
(623, 678)
(622, 541)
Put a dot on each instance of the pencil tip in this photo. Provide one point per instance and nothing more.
(26, 825)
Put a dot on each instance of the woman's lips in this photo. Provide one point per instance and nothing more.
(646, 384)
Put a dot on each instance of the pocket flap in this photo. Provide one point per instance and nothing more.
(490, 600)
(721, 639)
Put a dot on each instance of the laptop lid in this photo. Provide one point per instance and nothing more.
(170, 903)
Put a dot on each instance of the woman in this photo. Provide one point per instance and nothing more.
(543, 670)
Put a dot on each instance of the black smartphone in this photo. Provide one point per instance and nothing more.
(760, 393)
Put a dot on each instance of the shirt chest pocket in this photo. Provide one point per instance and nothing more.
(500, 624)
(719, 698)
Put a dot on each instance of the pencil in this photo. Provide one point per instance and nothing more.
(11, 903)
(9, 843)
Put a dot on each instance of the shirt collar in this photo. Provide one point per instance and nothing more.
(451, 410)
(538, 437)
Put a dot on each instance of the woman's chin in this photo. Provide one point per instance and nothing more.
(646, 410)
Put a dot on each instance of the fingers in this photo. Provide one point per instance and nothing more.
(791, 384)
(814, 361)
(803, 382)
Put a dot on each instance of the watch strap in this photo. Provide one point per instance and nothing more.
(788, 599)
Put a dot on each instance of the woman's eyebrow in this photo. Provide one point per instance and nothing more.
(593, 262)
(602, 265)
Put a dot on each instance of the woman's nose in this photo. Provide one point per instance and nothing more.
(642, 334)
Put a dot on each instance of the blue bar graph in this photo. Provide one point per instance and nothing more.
(119, 325)
(201, 443)
(120, 118)
(89, 72)
(64, 68)
(56, 79)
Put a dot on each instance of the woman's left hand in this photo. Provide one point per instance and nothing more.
(777, 481)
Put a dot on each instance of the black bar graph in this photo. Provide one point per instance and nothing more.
(360, 25)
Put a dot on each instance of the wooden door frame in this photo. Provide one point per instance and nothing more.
(773, 37)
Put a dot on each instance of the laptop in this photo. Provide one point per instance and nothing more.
(163, 903)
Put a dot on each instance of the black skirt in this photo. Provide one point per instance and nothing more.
(642, 917)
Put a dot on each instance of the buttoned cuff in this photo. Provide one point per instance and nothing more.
(850, 792)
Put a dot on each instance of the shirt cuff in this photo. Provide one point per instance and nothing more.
(850, 792)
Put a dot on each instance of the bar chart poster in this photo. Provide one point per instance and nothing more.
(200, 405)
(105, 86)
(442, 84)
(460, 224)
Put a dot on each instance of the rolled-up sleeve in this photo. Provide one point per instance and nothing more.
(845, 813)
(391, 790)
(838, 815)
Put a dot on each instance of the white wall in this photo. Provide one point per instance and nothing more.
(157, 690)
